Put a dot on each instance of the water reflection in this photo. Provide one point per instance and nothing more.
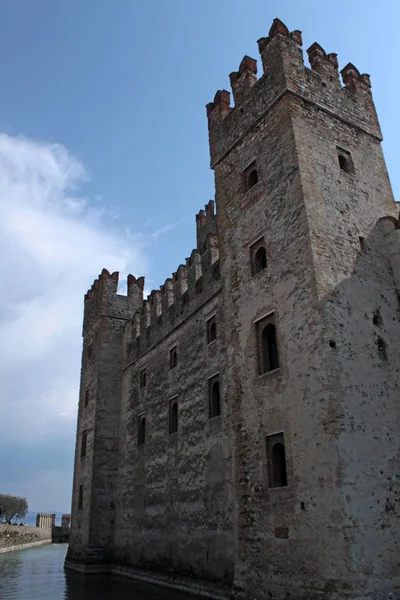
(38, 574)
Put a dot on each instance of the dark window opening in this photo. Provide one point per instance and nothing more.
(83, 442)
(211, 330)
(143, 378)
(382, 350)
(258, 256)
(90, 351)
(332, 343)
(260, 259)
(362, 242)
(80, 497)
(276, 458)
(173, 358)
(142, 430)
(214, 399)
(345, 161)
(86, 402)
(173, 416)
(252, 179)
(269, 349)
(377, 318)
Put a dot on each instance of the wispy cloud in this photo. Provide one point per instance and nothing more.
(53, 242)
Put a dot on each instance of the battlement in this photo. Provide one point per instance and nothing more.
(180, 295)
(102, 298)
(206, 224)
(284, 72)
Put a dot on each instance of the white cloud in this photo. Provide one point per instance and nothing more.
(53, 243)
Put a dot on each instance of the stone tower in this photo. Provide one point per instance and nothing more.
(97, 442)
(299, 173)
(238, 429)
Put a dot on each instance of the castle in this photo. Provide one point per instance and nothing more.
(238, 429)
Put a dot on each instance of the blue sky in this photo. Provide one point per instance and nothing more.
(104, 163)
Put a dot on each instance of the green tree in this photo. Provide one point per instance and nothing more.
(12, 507)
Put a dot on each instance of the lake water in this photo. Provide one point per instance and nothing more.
(38, 574)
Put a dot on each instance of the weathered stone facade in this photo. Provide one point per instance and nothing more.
(238, 430)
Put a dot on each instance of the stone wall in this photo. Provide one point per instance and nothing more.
(198, 502)
(45, 520)
(14, 537)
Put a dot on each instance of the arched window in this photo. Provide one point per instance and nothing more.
(173, 417)
(211, 330)
(278, 459)
(269, 349)
(142, 430)
(214, 401)
(260, 259)
(252, 178)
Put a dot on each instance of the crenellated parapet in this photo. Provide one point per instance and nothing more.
(206, 223)
(284, 72)
(190, 286)
(103, 298)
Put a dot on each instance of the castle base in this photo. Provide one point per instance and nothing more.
(190, 586)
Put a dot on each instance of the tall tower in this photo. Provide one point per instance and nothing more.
(309, 248)
(97, 440)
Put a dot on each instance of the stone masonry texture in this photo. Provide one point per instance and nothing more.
(198, 508)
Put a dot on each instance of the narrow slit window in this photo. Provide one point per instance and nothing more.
(214, 398)
(90, 351)
(142, 430)
(143, 378)
(86, 401)
(276, 459)
(173, 357)
(211, 330)
(83, 443)
(173, 416)
(80, 497)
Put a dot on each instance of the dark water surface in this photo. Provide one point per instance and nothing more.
(38, 574)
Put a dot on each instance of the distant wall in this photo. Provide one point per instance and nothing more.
(13, 537)
(45, 520)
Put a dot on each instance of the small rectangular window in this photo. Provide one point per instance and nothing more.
(90, 351)
(80, 497)
(276, 461)
(173, 415)
(211, 330)
(173, 357)
(84, 442)
(268, 359)
(143, 378)
(86, 401)
(141, 429)
(345, 160)
(214, 397)
(250, 176)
